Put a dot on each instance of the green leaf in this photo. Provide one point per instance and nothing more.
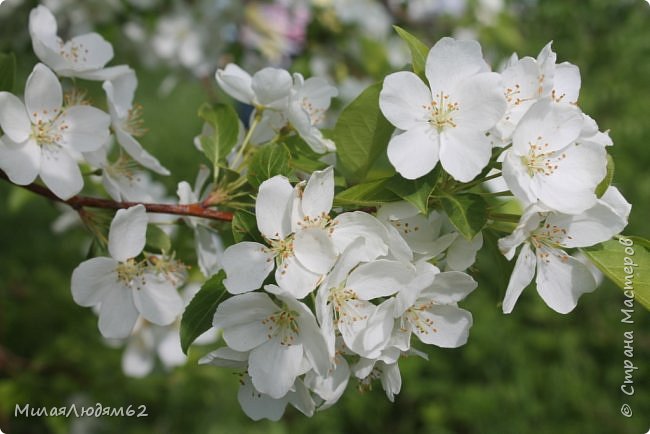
(419, 51)
(626, 262)
(244, 227)
(467, 212)
(198, 315)
(373, 193)
(268, 161)
(157, 239)
(361, 134)
(416, 191)
(224, 123)
(607, 180)
(7, 71)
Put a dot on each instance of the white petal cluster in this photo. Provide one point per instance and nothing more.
(544, 236)
(446, 120)
(282, 101)
(42, 136)
(369, 295)
(125, 287)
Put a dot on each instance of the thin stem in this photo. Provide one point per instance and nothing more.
(247, 139)
(480, 181)
(79, 202)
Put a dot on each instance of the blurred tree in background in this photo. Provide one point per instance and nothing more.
(533, 371)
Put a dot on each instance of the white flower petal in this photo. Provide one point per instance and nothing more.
(14, 121)
(103, 74)
(274, 366)
(92, 279)
(295, 279)
(415, 152)
(464, 153)
(448, 326)
(557, 125)
(561, 280)
(137, 152)
(138, 358)
(117, 313)
(246, 264)
(209, 250)
(157, 300)
(380, 278)
(273, 208)
(226, 357)
(311, 337)
(89, 51)
(43, 94)
(318, 195)
(357, 224)
(21, 162)
(481, 102)
(566, 83)
(450, 61)
(241, 318)
(404, 99)
(60, 172)
(571, 187)
(120, 92)
(314, 249)
(127, 235)
(271, 86)
(462, 252)
(515, 174)
(86, 128)
(450, 287)
(236, 82)
(596, 225)
(258, 405)
(522, 275)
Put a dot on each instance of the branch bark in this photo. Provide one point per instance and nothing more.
(79, 202)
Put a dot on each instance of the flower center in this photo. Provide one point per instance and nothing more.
(316, 115)
(549, 239)
(541, 162)
(440, 111)
(46, 132)
(131, 274)
(346, 305)
(284, 325)
(74, 52)
(134, 124)
(423, 325)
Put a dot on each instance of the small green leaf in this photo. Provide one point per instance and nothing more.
(198, 315)
(157, 239)
(373, 193)
(607, 180)
(416, 191)
(626, 262)
(244, 227)
(467, 212)
(270, 160)
(361, 134)
(419, 51)
(224, 124)
(7, 71)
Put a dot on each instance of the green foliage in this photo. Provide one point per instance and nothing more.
(609, 177)
(270, 160)
(244, 227)
(224, 126)
(626, 262)
(419, 51)
(7, 71)
(418, 191)
(197, 318)
(361, 135)
(372, 193)
(467, 212)
(157, 239)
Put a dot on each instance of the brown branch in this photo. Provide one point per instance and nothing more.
(79, 202)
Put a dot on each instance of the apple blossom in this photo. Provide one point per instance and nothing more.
(42, 136)
(448, 119)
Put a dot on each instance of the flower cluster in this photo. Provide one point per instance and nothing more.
(345, 266)
(552, 157)
(347, 294)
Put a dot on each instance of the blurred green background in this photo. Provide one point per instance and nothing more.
(533, 371)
